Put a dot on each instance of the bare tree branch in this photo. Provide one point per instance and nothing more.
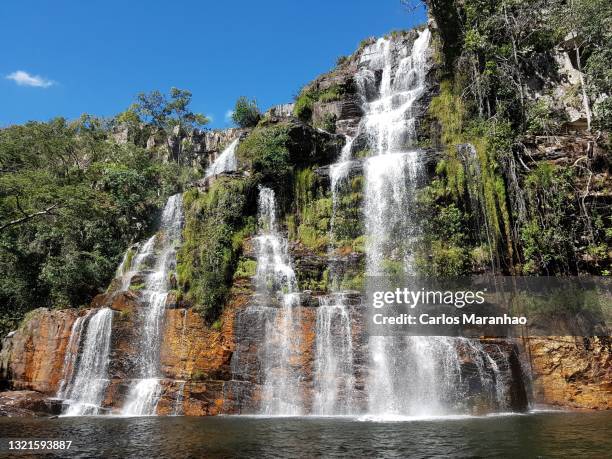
(28, 217)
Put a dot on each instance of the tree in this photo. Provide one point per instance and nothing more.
(170, 114)
(179, 112)
(71, 202)
(167, 113)
(246, 113)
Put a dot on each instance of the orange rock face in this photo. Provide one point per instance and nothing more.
(33, 358)
(196, 359)
(192, 350)
(572, 372)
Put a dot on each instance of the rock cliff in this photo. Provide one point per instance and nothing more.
(572, 372)
(210, 355)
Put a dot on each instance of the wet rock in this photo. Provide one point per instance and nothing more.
(32, 357)
(28, 403)
(307, 145)
(194, 350)
(571, 371)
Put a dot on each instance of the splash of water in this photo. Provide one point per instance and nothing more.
(130, 266)
(84, 391)
(71, 355)
(334, 377)
(226, 162)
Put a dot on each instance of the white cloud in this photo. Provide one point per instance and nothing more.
(23, 78)
(228, 116)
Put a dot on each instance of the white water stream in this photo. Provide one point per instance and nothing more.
(145, 391)
(226, 162)
(86, 377)
(276, 283)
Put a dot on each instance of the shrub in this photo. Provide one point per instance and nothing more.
(341, 60)
(265, 149)
(216, 223)
(331, 94)
(328, 123)
(303, 105)
(307, 98)
(543, 118)
(246, 113)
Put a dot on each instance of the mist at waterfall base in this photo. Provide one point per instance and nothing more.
(543, 434)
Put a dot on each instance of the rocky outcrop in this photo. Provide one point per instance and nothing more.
(198, 148)
(206, 145)
(32, 357)
(199, 361)
(571, 372)
(280, 111)
(216, 368)
(28, 403)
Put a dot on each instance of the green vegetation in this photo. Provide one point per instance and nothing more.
(328, 123)
(492, 200)
(265, 151)
(246, 113)
(216, 224)
(303, 105)
(445, 249)
(312, 212)
(246, 268)
(551, 227)
(341, 60)
(470, 189)
(308, 96)
(71, 201)
(165, 112)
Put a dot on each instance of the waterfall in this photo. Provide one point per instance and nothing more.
(408, 375)
(71, 355)
(340, 169)
(145, 392)
(334, 378)
(180, 397)
(85, 384)
(390, 184)
(275, 282)
(416, 375)
(226, 161)
(130, 265)
(391, 175)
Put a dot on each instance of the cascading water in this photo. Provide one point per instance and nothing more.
(334, 377)
(71, 356)
(131, 265)
(226, 162)
(145, 392)
(86, 379)
(275, 282)
(408, 375)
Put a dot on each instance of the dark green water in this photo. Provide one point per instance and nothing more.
(543, 434)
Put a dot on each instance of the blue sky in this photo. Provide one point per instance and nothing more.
(64, 58)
